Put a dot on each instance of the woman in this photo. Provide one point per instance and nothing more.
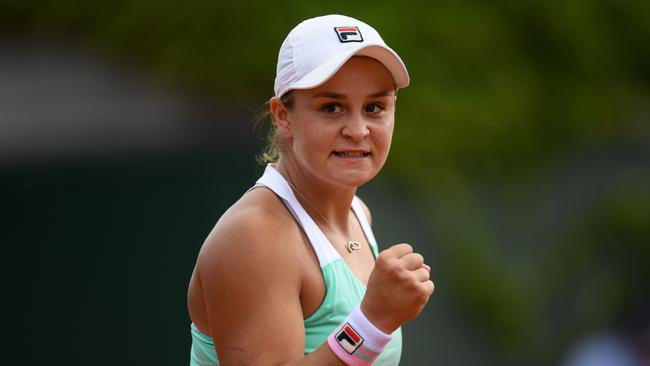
(290, 275)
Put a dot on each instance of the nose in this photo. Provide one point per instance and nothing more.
(356, 128)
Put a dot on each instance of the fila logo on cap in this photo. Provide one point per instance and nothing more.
(348, 34)
(349, 339)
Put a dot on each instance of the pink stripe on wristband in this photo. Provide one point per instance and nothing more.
(357, 342)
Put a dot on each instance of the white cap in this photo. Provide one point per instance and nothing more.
(317, 48)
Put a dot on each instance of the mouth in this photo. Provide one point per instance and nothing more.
(354, 154)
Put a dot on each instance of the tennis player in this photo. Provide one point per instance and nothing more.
(291, 273)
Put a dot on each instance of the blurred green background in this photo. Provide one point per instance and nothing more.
(520, 168)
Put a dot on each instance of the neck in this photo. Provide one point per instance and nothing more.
(322, 200)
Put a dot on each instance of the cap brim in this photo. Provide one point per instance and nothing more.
(324, 72)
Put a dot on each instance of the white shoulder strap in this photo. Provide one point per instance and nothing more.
(273, 180)
(363, 220)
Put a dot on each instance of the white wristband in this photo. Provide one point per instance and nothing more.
(357, 342)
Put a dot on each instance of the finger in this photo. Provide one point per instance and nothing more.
(399, 250)
(427, 267)
(429, 287)
(412, 261)
(421, 274)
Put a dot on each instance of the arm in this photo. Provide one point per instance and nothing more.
(251, 287)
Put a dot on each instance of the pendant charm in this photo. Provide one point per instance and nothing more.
(353, 246)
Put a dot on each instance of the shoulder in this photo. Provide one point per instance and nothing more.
(252, 237)
(366, 210)
(250, 279)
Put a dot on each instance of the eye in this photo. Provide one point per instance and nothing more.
(374, 108)
(331, 108)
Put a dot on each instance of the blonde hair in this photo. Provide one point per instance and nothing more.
(274, 142)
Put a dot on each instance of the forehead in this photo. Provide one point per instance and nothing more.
(360, 75)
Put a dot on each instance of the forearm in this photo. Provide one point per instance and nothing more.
(322, 356)
(356, 342)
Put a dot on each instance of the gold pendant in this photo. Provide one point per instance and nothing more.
(353, 246)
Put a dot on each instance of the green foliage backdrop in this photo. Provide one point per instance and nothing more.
(505, 97)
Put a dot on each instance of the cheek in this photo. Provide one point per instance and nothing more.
(313, 137)
(383, 136)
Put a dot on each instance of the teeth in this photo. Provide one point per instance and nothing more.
(350, 154)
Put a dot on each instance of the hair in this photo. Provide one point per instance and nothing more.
(274, 142)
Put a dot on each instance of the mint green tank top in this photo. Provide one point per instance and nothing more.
(344, 291)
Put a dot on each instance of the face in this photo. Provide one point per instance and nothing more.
(341, 131)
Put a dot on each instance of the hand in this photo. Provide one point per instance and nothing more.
(398, 288)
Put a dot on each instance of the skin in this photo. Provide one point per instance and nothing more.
(257, 277)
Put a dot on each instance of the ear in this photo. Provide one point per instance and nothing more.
(280, 116)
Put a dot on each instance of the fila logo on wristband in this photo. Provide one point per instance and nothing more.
(348, 338)
(348, 34)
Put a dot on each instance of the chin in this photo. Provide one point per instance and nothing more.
(354, 179)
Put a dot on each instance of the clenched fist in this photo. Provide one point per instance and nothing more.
(398, 288)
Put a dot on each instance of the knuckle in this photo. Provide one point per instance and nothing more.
(383, 255)
(395, 269)
(411, 282)
(384, 261)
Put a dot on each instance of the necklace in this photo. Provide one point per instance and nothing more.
(352, 246)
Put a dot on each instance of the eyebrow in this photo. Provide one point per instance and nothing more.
(333, 95)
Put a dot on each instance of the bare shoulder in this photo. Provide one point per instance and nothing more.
(254, 229)
(366, 210)
(251, 280)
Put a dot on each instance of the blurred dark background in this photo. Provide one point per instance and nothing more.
(520, 168)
